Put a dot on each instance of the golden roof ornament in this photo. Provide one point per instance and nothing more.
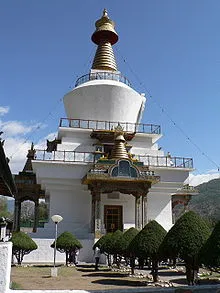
(119, 150)
(105, 36)
(119, 128)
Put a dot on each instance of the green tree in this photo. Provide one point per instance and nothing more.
(43, 211)
(67, 243)
(185, 240)
(22, 244)
(117, 246)
(210, 252)
(108, 245)
(102, 244)
(4, 209)
(123, 242)
(146, 244)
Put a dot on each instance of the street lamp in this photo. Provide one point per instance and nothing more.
(56, 219)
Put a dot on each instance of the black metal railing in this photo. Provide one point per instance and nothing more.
(108, 125)
(102, 76)
(65, 156)
(88, 157)
(166, 161)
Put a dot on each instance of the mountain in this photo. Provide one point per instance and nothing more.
(207, 202)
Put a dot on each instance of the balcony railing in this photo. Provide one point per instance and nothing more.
(102, 75)
(65, 156)
(88, 157)
(107, 125)
(176, 162)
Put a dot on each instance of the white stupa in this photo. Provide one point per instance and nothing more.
(105, 171)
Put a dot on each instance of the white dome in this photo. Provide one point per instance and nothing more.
(104, 100)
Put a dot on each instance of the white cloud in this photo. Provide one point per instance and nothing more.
(4, 110)
(17, 143)
(195, 180)
(42, 143)
(17, 128)
(18, 138)
(16, 149)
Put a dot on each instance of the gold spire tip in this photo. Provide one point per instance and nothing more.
(105, 30)
(105, 13)
(105, 36)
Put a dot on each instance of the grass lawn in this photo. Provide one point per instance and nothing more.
(85, 277)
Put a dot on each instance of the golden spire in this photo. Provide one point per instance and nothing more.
(119, 151)
(105, 36)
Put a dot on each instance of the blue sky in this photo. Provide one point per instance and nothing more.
(168, 49)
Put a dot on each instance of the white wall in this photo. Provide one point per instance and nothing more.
(159, 208)
(74, 205)
(45, 254)
(5, 265)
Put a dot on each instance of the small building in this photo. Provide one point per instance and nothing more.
(27, 189)
(105, 171)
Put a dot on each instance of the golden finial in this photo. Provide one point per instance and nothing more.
(105, 12)
(119, 150)
(119, 129)
(105, 36)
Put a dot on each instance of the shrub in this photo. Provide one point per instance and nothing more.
(108, 244)
(146, 244)
(123, 243)
(210, 252)
(102, 244)
(22, 245)
(185, 240)
(67, 243)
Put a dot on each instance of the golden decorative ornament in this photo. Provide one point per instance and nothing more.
(119, 150)
(105, 36)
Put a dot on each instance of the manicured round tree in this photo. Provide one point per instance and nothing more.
(185, 240)
(67, 243)
(101, 241)
(127, 237)
(102, 244)
(120, 244)
(22, 244)
(210, 252)
(125, 240)
(110, 244)
(146, 244)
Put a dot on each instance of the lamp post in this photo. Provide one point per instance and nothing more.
(56, 219)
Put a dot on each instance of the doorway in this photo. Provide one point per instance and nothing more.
(113, 218)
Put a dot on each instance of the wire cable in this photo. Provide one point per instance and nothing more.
(50, 114)
(164, 111)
